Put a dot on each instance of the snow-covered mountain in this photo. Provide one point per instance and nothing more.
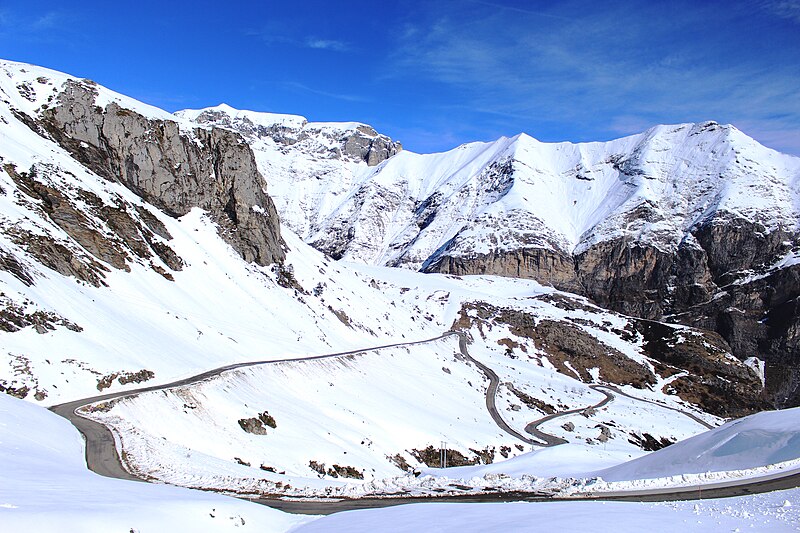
(683, 221)
(141, 246)
(481, 198)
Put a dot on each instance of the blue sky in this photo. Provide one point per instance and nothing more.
(436, 74)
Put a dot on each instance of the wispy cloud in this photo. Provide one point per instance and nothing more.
(787, 9)
(47, 21)
(37, 27)
(274, 34)
(517, 9)
(337, 96)
(326, 44)
(613, 69)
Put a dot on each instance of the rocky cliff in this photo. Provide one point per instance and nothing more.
(174, 170)
(730, 276)
(346, 141)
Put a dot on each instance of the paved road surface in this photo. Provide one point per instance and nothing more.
(695, 492)
(552, 440)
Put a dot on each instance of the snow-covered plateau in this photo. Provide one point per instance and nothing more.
(140, 248)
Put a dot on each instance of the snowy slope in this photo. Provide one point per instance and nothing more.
(215, 310)
(46, 487)
(755, 441)
(377, 410)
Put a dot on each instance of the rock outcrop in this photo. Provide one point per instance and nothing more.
(696, 364)
(213, 169)
(357, 143)
(546, 266)
(721, 277)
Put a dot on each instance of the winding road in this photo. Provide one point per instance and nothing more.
(101, 453)
(102, 456)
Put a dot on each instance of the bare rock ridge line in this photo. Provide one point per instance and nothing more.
(358, 143)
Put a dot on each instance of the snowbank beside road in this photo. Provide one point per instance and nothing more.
(46, 487)
(752, 442)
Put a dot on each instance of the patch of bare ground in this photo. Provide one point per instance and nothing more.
(432, 457)
(124, 378)
(336, 471)
(16, 316)
(563, 343)
(714, 380)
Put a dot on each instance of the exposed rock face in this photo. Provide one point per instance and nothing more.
(105, 233)
(569, 348)
(760, 317)
(642, 280)
(703, 370)
(210, 169)
(355, 143)
(713, 380)
(546, 266)
(703, 282)
(367, 145)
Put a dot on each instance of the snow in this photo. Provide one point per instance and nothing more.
(44, 84)
(519, 192)
(759, 440)
(255, 117)
(354, 411)
(751, 513)
(46, 487)
(357, 411)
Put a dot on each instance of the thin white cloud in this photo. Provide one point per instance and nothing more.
(337, 96)
(326, 44)
(273, 33)
(599, 72)
(517, 9)
(47, 21)
(787, 9)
